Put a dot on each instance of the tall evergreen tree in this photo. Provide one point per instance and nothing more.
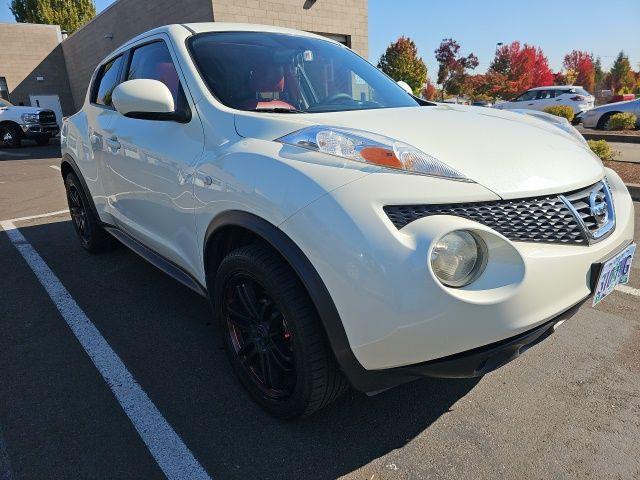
(69, 14)
(622, 78)
(401, 62)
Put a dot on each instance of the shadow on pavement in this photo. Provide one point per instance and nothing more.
(166, 336)
(31, 151)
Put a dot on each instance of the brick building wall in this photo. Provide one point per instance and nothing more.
(335, 17)
(29, 51)
(124, 19)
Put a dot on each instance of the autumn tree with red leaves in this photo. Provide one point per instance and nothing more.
(452, 72)
(581, 63)
(517, 68)
(429, 91)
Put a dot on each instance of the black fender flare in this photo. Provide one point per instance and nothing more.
(360, 378)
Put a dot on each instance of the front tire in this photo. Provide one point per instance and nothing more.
(92, 236)
(10, 136)
(273, 335)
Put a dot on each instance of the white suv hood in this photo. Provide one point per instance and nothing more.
(514, 155)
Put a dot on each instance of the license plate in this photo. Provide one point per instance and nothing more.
(614, 272)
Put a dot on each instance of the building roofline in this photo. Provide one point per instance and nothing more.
(109, 7)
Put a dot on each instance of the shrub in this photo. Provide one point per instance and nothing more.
(622, 121)
(602, 149)
(561, 111)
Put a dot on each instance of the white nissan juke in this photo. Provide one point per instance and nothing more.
(344, 231)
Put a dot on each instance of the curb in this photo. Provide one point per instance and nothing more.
(634, 190)
(612, 137)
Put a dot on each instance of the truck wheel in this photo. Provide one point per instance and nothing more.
(92, 236)
(10, 136)
(42, 141)
(273, 336)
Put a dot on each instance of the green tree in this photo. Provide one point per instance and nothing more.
(401, 62)
(622, 78)
(69, 14)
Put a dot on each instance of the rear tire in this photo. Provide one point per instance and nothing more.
(92, 236)
(604, 120)
(10, 136)
(273, 336)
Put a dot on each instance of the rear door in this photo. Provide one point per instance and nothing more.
(152, 161)
(544, 99)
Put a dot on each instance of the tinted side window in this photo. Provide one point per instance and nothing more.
(153, 61)
(106, 81)
(530, 95)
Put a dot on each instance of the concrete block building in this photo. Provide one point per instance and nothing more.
(70, 63)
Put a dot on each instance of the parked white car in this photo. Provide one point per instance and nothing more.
(344, 231)
(18, 123)
(540, 98)
(599, 117)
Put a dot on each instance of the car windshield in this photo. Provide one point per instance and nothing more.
(259, 71)
(5, 103)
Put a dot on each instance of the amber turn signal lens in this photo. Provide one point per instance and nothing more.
(380, 156)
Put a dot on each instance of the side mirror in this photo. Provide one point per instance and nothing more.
(405, 86)
(144, 99)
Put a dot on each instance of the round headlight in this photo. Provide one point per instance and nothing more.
(458, 258)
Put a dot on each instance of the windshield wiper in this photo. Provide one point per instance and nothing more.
(278, 110)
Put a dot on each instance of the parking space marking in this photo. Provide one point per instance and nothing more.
(55, 167)
(33, 217)
(167, 448)
(629, 290)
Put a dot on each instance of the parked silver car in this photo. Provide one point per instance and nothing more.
(599, 117)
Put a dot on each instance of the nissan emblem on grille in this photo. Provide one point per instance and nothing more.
(598, 205)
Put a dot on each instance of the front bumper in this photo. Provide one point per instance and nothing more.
(468, 364)
(394, 312)
(40, 130)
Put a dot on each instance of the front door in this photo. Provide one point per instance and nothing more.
(151, 162)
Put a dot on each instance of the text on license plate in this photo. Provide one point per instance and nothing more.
(615, 271)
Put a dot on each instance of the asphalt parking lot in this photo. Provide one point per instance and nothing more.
(568, 408)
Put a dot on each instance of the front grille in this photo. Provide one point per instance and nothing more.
(47, 116)
(547, 219)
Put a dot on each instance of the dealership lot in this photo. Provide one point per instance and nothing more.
(568, 408)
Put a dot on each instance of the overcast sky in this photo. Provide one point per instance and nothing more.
(601, 27)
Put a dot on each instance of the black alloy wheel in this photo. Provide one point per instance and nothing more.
(78, 213)
(260, 337)
(272, 333)
(87, 226)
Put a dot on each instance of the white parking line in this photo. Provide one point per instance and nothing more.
(55, 167)
(629, 290)
(33, 217)
(164, 444)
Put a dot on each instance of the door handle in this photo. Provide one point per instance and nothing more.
(113, 143)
